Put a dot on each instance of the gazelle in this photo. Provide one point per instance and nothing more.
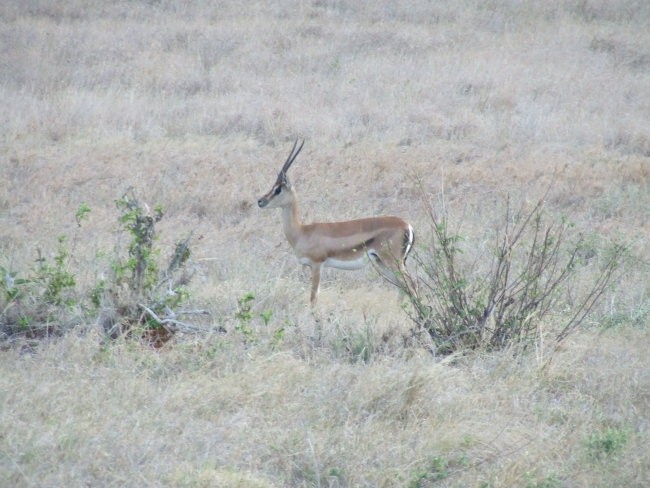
(344, 245)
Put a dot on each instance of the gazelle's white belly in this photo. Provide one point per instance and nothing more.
(349, 265)
(352, 264)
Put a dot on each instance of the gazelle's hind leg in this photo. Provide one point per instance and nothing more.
(395, 274)
(385, 271)
(410, 284)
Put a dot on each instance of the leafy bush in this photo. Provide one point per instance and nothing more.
(499, 301)
(245, 316)
(43, 302)
(142, 296)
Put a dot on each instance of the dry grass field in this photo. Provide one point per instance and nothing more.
(196, 106)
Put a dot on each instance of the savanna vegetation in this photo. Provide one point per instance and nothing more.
(154, 323)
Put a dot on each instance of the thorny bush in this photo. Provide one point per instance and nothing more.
(504, 298)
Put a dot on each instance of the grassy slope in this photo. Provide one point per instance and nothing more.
(196, 106)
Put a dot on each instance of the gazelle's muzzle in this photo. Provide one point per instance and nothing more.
(262, 202)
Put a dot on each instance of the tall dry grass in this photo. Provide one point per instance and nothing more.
(196, 104)
(210, 414)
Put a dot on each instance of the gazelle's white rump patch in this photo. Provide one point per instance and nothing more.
(409, 244)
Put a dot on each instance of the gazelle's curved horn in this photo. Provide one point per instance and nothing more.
(291, 158)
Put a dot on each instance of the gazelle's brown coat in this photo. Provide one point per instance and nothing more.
(344, 245)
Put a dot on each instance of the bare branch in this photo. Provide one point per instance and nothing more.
(172, 325)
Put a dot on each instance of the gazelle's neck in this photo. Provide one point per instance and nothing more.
(291, 221)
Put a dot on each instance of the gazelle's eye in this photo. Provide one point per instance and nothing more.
(277, 190)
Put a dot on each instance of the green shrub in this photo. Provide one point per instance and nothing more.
(42, 302)
(605, 444)
(460, 304)
(435, 470)
(245, 316)
(141, 295)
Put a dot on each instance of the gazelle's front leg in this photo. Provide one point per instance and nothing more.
(315, 282)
